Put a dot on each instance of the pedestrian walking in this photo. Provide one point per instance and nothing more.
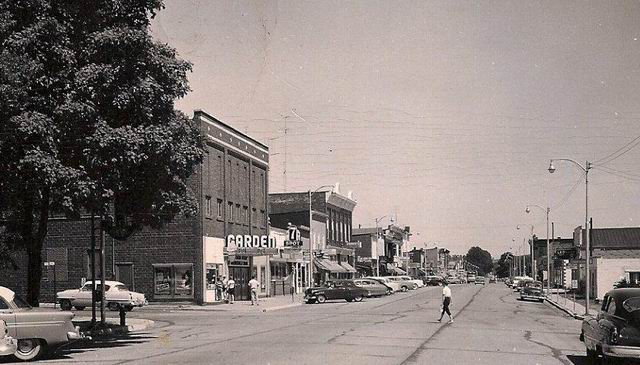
(225, 283)
(220, 289)
(446, 300)
(253, 285)
(231, 287)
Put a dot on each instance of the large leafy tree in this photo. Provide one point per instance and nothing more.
(87, 119)
(504, 264)
(480, 258)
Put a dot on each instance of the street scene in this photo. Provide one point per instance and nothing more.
(294, 182)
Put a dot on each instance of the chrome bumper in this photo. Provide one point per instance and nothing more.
(8, 346)
(76, 335)
(632, 352)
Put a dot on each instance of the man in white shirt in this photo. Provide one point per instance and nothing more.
(446, 300)
(254, 285)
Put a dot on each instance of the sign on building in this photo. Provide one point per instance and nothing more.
(294, 238)
(251, 244)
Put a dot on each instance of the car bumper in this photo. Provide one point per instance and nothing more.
(76, 335)
(536, 297)
(8, 346)
(310, 297)
(621, 351)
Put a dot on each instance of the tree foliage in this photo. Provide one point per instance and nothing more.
(87, 119)
(503, 265)
(480, 258)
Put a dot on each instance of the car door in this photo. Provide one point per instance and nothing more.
(8, 315)
(83, 297)
(609, 320)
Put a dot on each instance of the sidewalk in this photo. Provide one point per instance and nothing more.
(575, 309)
(266, 304)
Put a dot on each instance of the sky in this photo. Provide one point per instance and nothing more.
(442, 115)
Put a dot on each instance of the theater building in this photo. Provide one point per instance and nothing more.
(183, 260)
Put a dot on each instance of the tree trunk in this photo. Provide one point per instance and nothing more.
(33, 242)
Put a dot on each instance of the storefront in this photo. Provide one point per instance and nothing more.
(248, 256)
(173, 281)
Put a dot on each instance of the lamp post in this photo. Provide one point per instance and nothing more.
(311, 233)
(377, 238)
(547, 210)
(587, 166)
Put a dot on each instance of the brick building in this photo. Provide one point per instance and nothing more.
(183, 260)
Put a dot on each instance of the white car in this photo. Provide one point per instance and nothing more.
(418, 282)
(8, 345)
(116, 295)
(390, 284)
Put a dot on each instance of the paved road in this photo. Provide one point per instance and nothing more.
(490, 327)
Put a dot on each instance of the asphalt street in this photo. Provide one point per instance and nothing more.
(491, 327)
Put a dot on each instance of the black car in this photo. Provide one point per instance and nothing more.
(615, 332)
(341, 289)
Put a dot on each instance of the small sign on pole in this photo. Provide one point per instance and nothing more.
(574, 284)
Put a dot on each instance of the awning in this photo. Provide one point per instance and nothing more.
(348, 267)
(399, 271)
(328, 265)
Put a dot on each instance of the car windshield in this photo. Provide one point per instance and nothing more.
(631, 304)
(121, 287)
(20, 303)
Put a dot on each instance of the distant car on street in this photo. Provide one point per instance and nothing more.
(373, 287)
(395, 287)
(492, 279)
(8, 345)
(532, 290)
(405, 284)
(37, 330)
(615, 332)
(338, 289)
(479, 280)
(432, 280)
(116, 295)
(418, 282)
(453, 280)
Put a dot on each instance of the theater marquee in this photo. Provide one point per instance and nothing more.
(251, 245)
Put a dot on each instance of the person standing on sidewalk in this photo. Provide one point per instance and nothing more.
(446, 300)
(231, 288)
(253, 286)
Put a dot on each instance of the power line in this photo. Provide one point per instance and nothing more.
(619, 152)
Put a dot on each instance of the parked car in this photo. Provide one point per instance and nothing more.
(522, 283)
(532, 290)
(432, 280)
(374, 288)
(615, 332)
(339, 289)
(492, 279)
(453, 280)
(36, 330)
(395, 287)
(418, 282)
(405, 284)
(8, 345)
(479, 280)
(115, 292)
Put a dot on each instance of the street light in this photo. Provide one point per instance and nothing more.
(377, 238)
(547, 210)
(310, 233)
(587, 166)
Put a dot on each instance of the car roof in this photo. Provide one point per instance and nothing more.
(7, 293)
(107, 282)
(624, 293)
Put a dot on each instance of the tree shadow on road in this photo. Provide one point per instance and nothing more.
(582, 360)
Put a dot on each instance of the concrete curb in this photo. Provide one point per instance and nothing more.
(569, 312)
(139, 325)
(285, 306)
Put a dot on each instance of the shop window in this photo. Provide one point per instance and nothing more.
(207, 206)
(263, 278)
(173, 280)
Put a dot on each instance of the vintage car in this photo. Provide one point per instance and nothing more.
(405, 284)
(532, 290)
(479, 280)
(492, 279)
(418, 282)
(615, 332)
(453, 280)
(339, 289)
(432, 280)
(116, 293)
(8, 345)
(36, 330)
(374, 288)
(395, 287)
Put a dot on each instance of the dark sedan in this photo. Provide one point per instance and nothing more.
(342, 289)
(615, 332)
(532, 290)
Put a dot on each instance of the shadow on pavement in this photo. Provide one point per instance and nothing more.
(582, 360)
(67, 351)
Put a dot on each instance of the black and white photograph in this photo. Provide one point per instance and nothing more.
(320, 182)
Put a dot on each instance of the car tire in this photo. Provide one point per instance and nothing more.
(321, 299)
(358, 298)
(29, 349)
(79, 307)
(389, 292)
(113, 306)
(404, 288)
(349, 300)
(415, 286)
(65, 304)
(592, 356)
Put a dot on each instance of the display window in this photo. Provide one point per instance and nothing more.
(173, 280)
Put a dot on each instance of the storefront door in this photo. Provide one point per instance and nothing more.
(241, 277)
